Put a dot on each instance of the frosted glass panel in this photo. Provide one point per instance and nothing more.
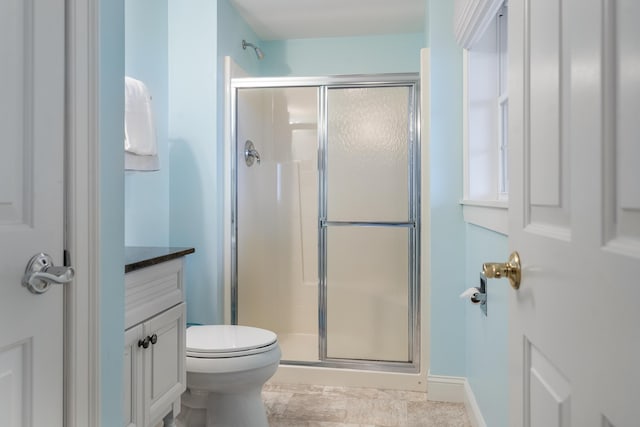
(367, 293)
(368, 154)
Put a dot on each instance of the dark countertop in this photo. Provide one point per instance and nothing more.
(137, 257)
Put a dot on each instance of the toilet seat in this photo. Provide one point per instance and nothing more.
(224, 341)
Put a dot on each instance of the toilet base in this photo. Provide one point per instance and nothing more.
(203, 409)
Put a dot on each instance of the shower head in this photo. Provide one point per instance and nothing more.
(259, 52)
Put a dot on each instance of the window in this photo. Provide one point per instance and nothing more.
(503, 101)
(486, 124)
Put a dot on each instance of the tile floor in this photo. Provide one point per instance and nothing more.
(325, 406)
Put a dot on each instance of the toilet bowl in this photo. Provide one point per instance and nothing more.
(227, 365)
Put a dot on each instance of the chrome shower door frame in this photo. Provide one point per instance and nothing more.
(410, 80)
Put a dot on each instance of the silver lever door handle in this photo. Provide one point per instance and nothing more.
(41, 273)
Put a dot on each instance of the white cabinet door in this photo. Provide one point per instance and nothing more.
(164, 364)
(574, 210)
(31, 208)
(133, 380)
(154, 368)
(165, 377)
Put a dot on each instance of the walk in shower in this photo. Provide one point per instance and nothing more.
(325, 218)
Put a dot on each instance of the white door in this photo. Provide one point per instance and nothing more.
(575, 212)
(31, 208)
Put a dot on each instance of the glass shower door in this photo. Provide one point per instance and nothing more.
(277, 216)
(368, 224)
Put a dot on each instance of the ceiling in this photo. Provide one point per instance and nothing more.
(297, 19)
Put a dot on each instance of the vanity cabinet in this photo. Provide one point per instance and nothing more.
(154, 350)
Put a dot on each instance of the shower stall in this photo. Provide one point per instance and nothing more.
(325, 218)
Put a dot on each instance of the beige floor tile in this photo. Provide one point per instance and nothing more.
(379, 412)
(323, 406)
(436, 414)
(276, 402)
(327, 424)
(316, 408)
(409, 396)
(358, 393)
(294, 388)
(283, 422)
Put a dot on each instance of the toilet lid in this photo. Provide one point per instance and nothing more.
(227, 340)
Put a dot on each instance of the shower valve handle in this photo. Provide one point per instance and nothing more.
(250, 153)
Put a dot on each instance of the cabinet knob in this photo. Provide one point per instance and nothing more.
(145, 342)
(153, 338)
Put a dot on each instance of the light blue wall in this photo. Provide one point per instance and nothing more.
(447, 226)
(111, 130)
(146, 58)
(200, 35)
(232, 29)
(393, 53)
(487, 355)
(195, 204)
(463, 341)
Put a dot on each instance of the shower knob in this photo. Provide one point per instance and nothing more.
(250, 153)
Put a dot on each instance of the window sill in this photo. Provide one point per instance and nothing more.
(490, 214)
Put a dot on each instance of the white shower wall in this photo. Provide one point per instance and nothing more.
(277, 217)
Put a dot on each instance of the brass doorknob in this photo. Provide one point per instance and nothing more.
(510, 269)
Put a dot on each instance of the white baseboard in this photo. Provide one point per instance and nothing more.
(446, 389)
(473, 410)
(456, 390)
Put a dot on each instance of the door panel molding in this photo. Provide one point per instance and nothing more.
(16, 165)
(621, 128)
(548, 394)
(545, 78)
(544, 49)
(16, 363)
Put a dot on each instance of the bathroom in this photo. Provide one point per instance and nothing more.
(178, 50)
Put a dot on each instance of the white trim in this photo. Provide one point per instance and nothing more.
(445, 388)
(455, 390)
(342, 377)
(492, 215)
(425, 211)
(231, 70)
(82, 315)
(465, 122)
(471, 405)
(472, 17)
(228, 144)
(497, 204)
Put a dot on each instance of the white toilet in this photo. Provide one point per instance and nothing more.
(227, 365)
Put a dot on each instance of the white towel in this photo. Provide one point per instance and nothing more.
(134, 162)
(139, 127)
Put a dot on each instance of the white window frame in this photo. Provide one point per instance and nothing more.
(488, 206)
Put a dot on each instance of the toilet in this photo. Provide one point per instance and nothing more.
(227, 365)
